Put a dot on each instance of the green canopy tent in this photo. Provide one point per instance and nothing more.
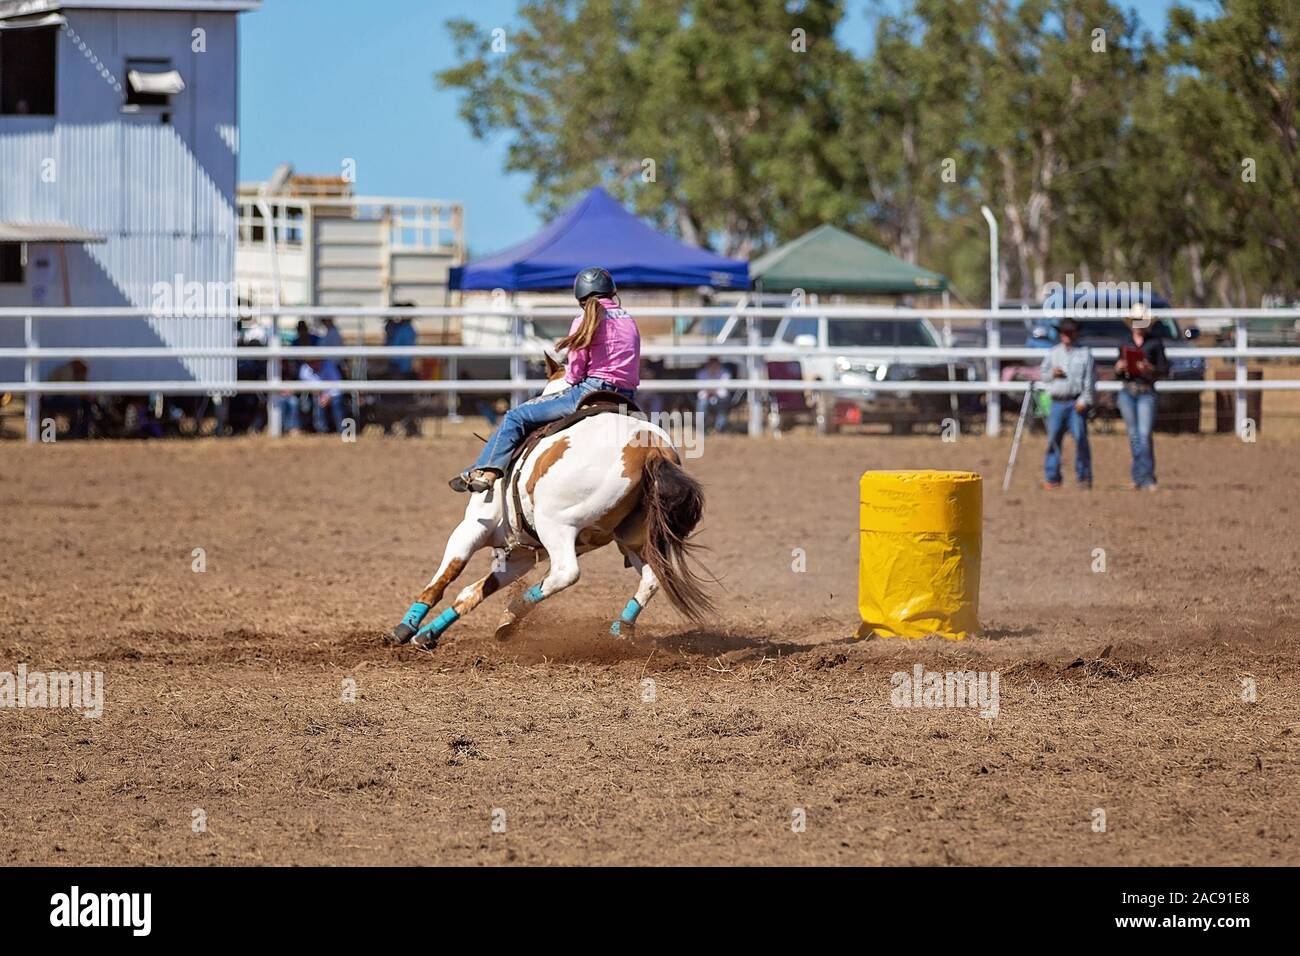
(831, 260)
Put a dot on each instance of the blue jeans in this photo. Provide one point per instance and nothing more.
(1060, 417)
(1139, 413)
(289, 414)
(522, 419)
(321, 422)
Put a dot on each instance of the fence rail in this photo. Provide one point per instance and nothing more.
(518, 351)
(496, 386)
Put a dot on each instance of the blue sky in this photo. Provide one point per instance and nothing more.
(324, 81)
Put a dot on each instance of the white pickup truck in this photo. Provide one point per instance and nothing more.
(861, 399)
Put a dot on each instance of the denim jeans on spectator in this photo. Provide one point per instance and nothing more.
(327, 418)
(1063, 417)
(289, 415)
(522, 419)
(1139, 411)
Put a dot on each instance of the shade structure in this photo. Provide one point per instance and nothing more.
(831, 260)
(598, 231)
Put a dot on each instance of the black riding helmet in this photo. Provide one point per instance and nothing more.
(593, 281)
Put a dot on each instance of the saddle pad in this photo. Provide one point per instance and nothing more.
(595, 403)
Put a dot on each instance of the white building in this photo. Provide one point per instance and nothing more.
(119, 149)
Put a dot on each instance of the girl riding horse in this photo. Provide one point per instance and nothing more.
(604, 355)
(606, 479)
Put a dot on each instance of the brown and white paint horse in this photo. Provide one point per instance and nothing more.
(607, 478)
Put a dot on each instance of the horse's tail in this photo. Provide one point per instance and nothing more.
(674, 504)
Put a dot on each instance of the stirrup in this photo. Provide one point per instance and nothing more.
(475, 481)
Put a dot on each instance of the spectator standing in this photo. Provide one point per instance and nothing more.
(1069, 375)
(330, 401)
(245, 412)
(331, 337)
(400, 333)
(303, 336)
(291, 403)
(1142, 362)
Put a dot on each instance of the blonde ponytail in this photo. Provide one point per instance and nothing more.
(593, 313)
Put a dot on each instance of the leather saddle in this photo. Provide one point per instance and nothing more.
(594, 403)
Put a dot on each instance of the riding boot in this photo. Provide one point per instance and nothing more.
(479, 480)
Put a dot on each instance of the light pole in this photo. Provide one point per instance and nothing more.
(993, 330)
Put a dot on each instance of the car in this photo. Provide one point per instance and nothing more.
(863, 398)
(1178, 411)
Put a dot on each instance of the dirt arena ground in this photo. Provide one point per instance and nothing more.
(1121, 691)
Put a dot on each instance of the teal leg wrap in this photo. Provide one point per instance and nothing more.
(440, 623)
(533, 594)
(415, 615)
(627, 617)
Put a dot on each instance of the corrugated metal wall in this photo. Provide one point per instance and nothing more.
(163, 193)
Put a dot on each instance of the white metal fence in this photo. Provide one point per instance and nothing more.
(751, 355)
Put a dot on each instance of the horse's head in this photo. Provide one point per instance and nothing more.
(554, 377)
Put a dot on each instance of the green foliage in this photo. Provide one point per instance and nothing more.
(743, 123)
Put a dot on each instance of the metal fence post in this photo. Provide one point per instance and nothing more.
(518, 367)
(1239, 417)
(825, 407)
(453, 398)
(992, 328)
(753, 339)
(453, 372)
(273, 422)
(31, 375)
(993, 336)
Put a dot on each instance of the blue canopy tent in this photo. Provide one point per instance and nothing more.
(599, 231)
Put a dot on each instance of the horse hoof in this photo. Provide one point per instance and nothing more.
(401, 634)
(623, 630)
(505, 630)
(425, 642)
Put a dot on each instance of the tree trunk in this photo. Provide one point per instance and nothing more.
(1016, 233)
(1197, 271)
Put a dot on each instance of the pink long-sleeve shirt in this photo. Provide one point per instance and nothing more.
(614, 353)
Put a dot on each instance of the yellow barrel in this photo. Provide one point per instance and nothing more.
(919, 565)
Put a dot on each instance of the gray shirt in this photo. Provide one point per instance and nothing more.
(1080, 373)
